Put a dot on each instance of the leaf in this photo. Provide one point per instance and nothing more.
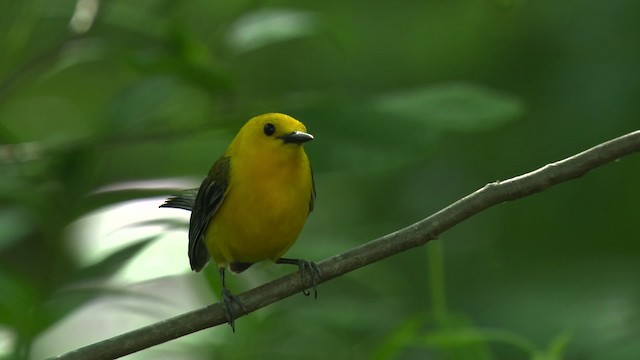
(69, 300)
(168, 223)
(265, 27)
(556, 349)
(112, 263)
(453, 106)
(100, 199)
(140, 104)
(466, 336)
(397, 340)
(14, 225)
(18, 297)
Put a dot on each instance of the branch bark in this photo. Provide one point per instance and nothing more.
(412, 236)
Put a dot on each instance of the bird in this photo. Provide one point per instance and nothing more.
(253, 203)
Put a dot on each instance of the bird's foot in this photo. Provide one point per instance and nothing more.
(228, 299)
(305, 267)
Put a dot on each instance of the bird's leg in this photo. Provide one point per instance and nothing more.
(305, 267)
(227, 302)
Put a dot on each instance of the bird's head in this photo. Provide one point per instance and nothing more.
(272, 132)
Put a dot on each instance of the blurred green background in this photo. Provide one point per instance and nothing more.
(107, 106)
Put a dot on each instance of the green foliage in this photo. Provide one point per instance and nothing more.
(454, 336)
(461, 107)
(413, 105)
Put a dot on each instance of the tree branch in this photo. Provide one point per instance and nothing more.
(412, 236)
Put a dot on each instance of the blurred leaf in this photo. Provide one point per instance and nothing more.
(14, 225)
(79, 52)
(400, 338)
(466, 336)
(170, 223)
(18, 296)
(112, 263)
(139, 104)
(268, 26)
(212, 275)
(452, 336)
(453, 106)
(196, 64)
(69, 300)
(556, 348)
(160, 63)
(558, 345)
(148, 108)
(6, 137)
(100, 199)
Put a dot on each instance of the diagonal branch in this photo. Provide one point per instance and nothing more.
(412, 236)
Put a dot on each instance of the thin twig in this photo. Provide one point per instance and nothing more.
(412, 236)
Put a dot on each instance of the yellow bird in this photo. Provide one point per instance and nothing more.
(253, 203)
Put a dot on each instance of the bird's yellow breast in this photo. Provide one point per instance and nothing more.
(265, 207)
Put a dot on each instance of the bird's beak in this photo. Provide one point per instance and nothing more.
(296, 137)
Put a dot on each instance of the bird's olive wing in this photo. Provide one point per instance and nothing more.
(209, 198)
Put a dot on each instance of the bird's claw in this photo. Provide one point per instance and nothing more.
(304, 267)
(228, 299)
(312, 268)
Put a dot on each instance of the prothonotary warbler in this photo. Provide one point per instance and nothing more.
(253, 203)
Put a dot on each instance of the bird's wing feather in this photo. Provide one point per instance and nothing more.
(207, 202)
(312, 201)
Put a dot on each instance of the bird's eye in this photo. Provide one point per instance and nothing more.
(269, 129)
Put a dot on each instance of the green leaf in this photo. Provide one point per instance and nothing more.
(140, 104)
(403, 335)
(69, 300)
(453, 106)
(556, 348)
(100, 199)
(112, 263)
(466, 336)
(265, 27)
(18, 297)
(14, 225)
